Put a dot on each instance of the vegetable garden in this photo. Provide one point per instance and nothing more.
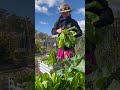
(67, 74)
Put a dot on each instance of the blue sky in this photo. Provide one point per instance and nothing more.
(46, 13)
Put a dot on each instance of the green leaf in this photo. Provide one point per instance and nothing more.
(74, 27)
(70, 79)
(69, 69)
(60, 72)
(81, 66)
(56, 86)
(53, 77)
(37, 85)
(58, 38)
(61, 43)
(65, 31)
(74, 82)
(73, 33)
(45, 84)
(72, 40)
(42, 87)
(51, 88)
(62, 36)
(68, 88)
(93, 4)
(67, 38)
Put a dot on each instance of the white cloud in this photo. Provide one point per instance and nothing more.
(43, 6)
(49, 3)
(41, 9)
(82, 25)
(81, 10)
(58, 8)
(42, 22)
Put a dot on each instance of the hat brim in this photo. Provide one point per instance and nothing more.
(66, 11)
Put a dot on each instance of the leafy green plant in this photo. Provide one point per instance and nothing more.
(72, 73)
(67, 38)
(47, 82)
(39, 84)
(38, 47)
(44, 58)
(51, 59)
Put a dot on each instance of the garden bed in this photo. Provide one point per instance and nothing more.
(68, 74)
(44, 68)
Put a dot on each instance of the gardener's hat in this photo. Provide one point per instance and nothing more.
(65, 8)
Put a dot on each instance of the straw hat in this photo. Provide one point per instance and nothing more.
(65, 8)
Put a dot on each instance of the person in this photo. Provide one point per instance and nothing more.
(106, 18)
(65, 21)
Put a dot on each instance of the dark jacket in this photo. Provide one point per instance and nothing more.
(105, 14)
(65, 24)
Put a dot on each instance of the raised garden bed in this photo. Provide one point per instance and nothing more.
(44, 68)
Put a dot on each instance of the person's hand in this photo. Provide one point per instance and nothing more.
(59, 30)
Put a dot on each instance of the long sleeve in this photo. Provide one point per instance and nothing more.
(56, 26)
(79, 31)
(54, 32)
